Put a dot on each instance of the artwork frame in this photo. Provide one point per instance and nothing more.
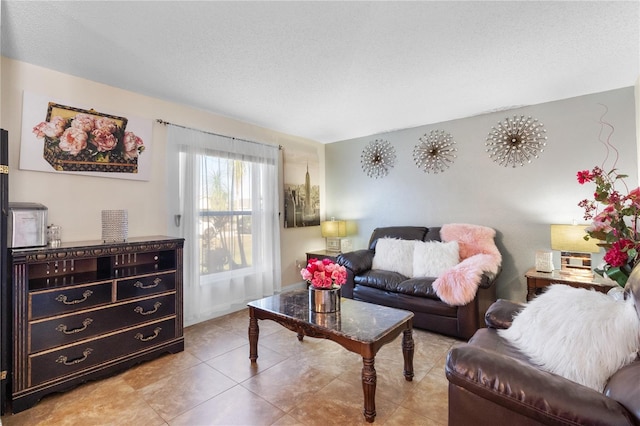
(60, 136)
(301, 195)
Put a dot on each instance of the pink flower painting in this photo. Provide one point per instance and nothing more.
(82, 140)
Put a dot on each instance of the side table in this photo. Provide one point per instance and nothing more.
(537, 281)
(322, 254)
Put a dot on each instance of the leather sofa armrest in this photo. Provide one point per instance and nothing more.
(501, 313)
(357, 261)
(524, 389)
(624, 387)
(488, 279)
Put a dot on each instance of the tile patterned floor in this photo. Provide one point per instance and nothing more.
(313, 382)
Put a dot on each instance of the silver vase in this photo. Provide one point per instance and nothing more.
(324, 300)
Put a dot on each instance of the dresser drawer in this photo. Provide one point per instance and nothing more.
(63, 330)
(91, 353)
(68, 299)
(146, 285)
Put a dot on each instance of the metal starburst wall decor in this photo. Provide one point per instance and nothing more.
(435, 151)
(516, 141)
(377, 158)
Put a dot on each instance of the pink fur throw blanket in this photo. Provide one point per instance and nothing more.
(478, 254)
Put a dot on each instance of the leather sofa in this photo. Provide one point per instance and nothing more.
(414, 294)
(492, 383)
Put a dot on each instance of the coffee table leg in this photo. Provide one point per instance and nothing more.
(254, 331)
(369, 388)
(407, 352)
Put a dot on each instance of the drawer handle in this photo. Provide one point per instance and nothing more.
(140, 337)
(85, 324)
(63, 359)
(62, 298)
(140, 284)
(140, 309)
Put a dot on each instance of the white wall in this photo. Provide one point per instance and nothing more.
(75, 202)
(520, 203)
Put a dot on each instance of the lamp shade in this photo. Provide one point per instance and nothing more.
(334, 229)
(571, 238)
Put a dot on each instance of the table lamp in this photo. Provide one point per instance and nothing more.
(575, 251)
(333, 230)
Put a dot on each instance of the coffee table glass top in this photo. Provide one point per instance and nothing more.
(360, 321)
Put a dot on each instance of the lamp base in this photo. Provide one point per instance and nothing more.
(575, 263)
(339, 245)
(333, 245)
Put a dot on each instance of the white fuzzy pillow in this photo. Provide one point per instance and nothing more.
(582, 335)
(395, 255)
(432, 258)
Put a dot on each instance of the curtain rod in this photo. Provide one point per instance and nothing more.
(161, 121)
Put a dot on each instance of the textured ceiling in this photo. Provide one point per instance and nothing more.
(331, 71)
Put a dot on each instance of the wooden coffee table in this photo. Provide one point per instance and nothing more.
(352, 327)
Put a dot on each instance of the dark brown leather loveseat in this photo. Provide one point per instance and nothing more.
(414, 294)
(492, 383)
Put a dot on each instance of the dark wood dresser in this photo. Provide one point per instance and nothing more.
(86, 310)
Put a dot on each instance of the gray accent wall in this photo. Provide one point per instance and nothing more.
(519, 203)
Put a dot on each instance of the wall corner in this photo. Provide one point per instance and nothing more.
(637, 103)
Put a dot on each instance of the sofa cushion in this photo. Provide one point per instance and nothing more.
(582, 335)
(394, 255)
(432, 258)
(419, 287)
(397, 283)
(420, 306)
(383, 280)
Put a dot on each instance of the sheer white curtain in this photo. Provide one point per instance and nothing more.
(223, 200)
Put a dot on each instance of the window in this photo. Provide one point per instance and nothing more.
(223, 199)
(225, 213)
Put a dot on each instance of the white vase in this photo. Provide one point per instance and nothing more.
(617, 293)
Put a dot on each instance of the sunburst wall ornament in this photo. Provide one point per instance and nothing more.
(435, 151)
(516, 141)
(377, 158)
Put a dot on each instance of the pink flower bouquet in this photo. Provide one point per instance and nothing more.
(324, 274)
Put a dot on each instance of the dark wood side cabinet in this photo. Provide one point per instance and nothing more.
(87, 310)
(322, 254)
(538, 281)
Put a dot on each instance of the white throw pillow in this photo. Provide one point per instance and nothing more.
(582, 335)
(433, 258)
(395, 255)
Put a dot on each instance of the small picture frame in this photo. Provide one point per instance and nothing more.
(544, 261)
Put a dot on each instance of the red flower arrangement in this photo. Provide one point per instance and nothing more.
(616, 225)
(324, 274)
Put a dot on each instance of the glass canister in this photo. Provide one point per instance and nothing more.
(53, 235)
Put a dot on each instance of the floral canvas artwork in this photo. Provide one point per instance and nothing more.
(71, 139)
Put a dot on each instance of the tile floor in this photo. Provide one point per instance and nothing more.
(313, 382)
